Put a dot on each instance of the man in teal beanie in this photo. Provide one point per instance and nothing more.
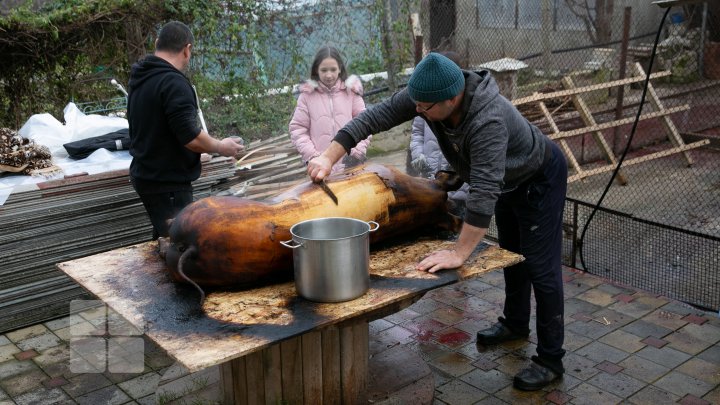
(515, 173)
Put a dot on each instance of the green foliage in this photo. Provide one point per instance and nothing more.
(369, 63)
(251, 117)
(70, 49)
(396, 36)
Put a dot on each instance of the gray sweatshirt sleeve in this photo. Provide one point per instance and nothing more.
(380, 117)
(488, 145)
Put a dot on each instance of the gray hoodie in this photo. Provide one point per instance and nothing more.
(494, 149)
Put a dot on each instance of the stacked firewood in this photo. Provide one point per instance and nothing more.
(20, 155)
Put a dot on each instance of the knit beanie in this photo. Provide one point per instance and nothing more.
(436, 78)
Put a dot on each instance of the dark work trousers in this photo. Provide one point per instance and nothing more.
(529, 222)
(163, 206)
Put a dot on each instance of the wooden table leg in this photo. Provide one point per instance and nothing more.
(329, 366)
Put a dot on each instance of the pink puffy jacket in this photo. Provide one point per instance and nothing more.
(321, 112)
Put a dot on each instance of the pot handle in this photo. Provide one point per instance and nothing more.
(371, 223)
(287, 244)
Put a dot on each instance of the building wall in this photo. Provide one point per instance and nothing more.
(491, 29)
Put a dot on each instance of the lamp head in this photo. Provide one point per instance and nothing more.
(672, 3)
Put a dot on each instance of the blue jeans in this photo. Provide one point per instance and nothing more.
(529, 221)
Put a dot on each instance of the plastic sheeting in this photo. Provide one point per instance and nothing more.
(46, 130)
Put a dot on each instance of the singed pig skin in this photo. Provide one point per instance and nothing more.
(235, 242)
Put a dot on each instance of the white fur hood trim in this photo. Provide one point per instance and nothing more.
(352, 84)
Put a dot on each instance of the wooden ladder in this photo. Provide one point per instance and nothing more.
(595, 128)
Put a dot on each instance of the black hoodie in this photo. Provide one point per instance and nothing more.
(162, 113)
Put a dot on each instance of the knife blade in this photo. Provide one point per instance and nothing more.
(327, 191)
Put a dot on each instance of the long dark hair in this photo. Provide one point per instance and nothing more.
(324, 53)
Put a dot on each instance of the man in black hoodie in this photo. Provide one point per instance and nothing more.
(165, 138)
(515, 173)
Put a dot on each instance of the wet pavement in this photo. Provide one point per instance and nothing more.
(624, 345)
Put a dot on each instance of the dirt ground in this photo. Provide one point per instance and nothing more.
(664, 190)
(680, 256)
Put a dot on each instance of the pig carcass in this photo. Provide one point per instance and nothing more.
(235, 242)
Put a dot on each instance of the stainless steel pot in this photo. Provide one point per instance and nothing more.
(331, 258)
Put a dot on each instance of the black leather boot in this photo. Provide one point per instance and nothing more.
(498, 333)
(538, 375)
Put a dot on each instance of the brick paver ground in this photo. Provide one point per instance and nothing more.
(624, 346)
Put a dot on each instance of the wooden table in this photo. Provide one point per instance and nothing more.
(271, 344)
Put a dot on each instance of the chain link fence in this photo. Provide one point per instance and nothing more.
(576, 69)
(658, 226)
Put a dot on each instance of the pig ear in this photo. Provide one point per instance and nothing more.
(448, 181)
(164, 245)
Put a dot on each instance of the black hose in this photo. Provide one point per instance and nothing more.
(629, 142)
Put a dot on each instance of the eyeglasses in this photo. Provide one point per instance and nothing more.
(423, 110)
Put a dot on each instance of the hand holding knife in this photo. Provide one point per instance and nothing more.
(321, 166)
(323, 185)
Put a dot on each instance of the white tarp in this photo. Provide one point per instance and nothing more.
(45, 130)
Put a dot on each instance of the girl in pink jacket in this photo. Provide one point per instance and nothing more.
(327, 102)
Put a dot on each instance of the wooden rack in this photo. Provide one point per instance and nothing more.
(267, 168)
(593, 127)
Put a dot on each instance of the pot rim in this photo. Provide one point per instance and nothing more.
(349, 219)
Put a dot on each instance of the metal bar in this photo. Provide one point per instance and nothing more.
(621, 72)
(575, 246)
(701, 54)
(644, 221)
(673, 3)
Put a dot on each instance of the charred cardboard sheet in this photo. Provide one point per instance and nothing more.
(134, 282)
(392, 271)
